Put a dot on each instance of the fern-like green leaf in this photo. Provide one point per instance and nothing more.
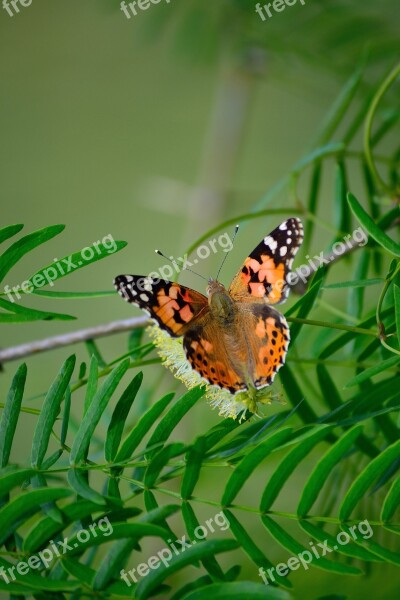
(365, 479)
(119, 416)
(49, 412)
(288, 465)
(94, 412)
(9, 417)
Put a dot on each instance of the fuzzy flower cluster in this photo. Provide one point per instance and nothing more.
(229, 405)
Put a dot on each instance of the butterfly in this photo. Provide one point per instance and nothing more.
(233, 337)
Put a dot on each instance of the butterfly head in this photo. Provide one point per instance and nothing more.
(214, 287)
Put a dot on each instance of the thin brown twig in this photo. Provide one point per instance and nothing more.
(75, 337)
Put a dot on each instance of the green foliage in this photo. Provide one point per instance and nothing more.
(345, 429)
(330, 34)
(10, 310)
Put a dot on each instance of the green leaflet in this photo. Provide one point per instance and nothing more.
(27, 243)
(119, 416)
(238, 590)
(396, 292)
(342, 215)
(372, 228)
(34, 584)
(78, 482)
(288, 465)
(87, 575)
(24, 505)
(350, 549)
(369, 543)
(251, 548)
(29, 314)
(353, 284)
(10, 478)
(325, 465)
(340, 105)
(9, 231)
(195, 552)
(247, 465)
(294, 547)
(73, 262)
(73, 295)
(210, 563)
(365, 479)
(10, 414)
(46, 528)
(174, 416)
(111, 565)
(160, 460)
(328, 389)
(391, 501)
(94, 412)
(296, 396)
(312, 203)
(194, 459)
(49, 412)
(368, 373)
(142, 427)
(91, 386)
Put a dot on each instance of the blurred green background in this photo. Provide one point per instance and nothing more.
(156, 128)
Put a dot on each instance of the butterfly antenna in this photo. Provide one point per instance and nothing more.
(176, 265)
(226, 255)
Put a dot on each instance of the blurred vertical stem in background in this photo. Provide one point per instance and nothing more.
(389, 80)
(223, 139)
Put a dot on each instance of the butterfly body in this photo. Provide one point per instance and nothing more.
(222, 307)
(234, 338)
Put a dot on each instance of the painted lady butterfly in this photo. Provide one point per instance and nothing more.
(233, 338)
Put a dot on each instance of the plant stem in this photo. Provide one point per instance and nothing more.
(368, 126)
(333, 326)
(251, 509)
(381, 326)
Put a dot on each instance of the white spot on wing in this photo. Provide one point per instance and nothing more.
(144, 297)
(271, 243)
(283, 250)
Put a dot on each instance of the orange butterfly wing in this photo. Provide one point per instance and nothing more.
(173, 306)
(265, 271)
